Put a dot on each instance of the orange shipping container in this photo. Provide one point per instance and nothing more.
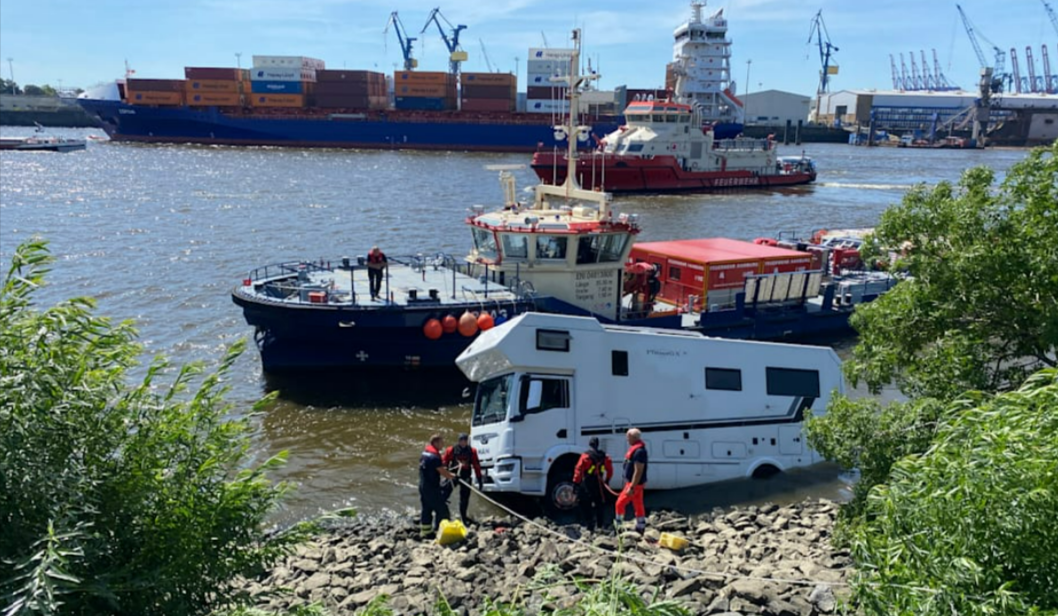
(432, 91)
(488, 79)
(277, 100)
(219, 99)
(433, 78)
(212, 85)
(154, 98)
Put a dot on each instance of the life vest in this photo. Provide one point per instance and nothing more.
(629, 468)
(463, 457)
(379, 257)
(598, 463)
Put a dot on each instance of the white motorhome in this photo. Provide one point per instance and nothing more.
(710, 409)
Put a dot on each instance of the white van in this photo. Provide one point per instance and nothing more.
(709, 409)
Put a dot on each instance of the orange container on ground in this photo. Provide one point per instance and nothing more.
(277, 100)
(713, 269)
(218, 99)
(136, 97)
(212, 85)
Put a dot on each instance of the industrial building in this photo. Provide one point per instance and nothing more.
(775, 107)
(1016, 119)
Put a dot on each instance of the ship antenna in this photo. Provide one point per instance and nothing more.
(572, 128)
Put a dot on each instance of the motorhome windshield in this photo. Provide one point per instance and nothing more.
(491, 403)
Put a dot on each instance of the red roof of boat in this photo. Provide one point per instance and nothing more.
(646, 106)
(716, 249)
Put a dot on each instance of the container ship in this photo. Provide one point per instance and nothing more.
(295, 101)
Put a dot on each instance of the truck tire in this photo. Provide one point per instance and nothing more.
(561, 496)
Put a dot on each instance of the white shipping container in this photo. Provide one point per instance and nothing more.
(260, 73)
(550, 54)
(288, 62)
(546, 106)
(545, 79)
(547, 66)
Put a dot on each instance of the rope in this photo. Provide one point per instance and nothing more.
(700, 572)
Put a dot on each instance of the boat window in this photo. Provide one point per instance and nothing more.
(613, 247)
(551, 246)
(515, 246)
(723, 379)
(485, 242)
(671, 118)
(539, 394)
(490, 404)
(659, 118)
(588, 249)
(619, 363)
(685, 119)
(635, 147)
(793, 382)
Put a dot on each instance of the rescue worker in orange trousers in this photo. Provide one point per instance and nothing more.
(460, 459)
(593, 471)
(635, 473)
(432, 473)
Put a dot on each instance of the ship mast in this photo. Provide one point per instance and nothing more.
(571, 189)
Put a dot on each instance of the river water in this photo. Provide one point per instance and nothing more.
(160, 234)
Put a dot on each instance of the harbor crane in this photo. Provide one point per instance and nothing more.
(455, 54)
(405, 41)
(998, 63)
(818, 29)
(485, 54)
(1050, 13)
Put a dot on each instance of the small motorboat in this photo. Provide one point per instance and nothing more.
(42, 143)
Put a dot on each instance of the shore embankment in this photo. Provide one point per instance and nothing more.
(766, 560)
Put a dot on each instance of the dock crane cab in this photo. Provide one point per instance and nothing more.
(406, 41)
(455, 54)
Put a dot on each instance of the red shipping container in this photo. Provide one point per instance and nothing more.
(156, 85)
(544, 93)
(488, 91)
(698, 267)
(487, 104)
(220, 74)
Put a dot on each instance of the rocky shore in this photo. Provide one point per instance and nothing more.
(767, 560)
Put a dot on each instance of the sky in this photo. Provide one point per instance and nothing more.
(78, 43)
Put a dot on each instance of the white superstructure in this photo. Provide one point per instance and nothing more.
(701, 59)
(710, 409)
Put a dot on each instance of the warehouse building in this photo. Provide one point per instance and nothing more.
(775, 107)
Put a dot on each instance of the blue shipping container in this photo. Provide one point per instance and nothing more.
(276, 87)
(422, 103)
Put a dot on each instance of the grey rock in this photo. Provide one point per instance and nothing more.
(822, 598)
(318, 580)
(685, 587)
(720, 604)
(778, 607)
(307, 565)
(753, 591)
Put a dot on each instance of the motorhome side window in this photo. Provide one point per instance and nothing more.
(619, 363)
(723, 379)
(552, 340)
(793, 382)
(543, 394)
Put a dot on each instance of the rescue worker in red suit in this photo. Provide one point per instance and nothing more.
(376, 267)
(635, 473)
(432, 472)
(460, 459)
(593, 471)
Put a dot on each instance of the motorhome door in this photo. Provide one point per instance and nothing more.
(543, 417)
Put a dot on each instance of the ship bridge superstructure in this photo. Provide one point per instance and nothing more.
(702, 66)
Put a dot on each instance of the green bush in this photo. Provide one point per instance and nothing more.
(969, 527)
(118, 499)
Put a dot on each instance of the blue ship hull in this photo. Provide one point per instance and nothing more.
(369, 130)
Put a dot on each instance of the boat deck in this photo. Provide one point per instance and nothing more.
(407, 283)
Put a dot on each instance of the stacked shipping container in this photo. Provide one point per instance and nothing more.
(215, 86)
(162, 92)
(282, 81)
(542, 94)
(488, 91)
(349, 90)
(424, 90)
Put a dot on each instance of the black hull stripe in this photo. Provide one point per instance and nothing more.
(798, 415)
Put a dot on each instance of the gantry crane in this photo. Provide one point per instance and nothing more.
(405, 41)
(455, 54)
(1050, 13)
(998, 63)
(818, 29)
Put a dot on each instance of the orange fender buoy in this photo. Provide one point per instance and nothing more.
(468, 324)
(432, 329)
(485, 321)
(449, 324)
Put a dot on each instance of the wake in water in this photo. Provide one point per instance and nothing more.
(866, 186)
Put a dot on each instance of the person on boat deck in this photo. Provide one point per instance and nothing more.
(376, 264)
(434, 500)
(460, 459)
(592, 473)
(635, 472)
